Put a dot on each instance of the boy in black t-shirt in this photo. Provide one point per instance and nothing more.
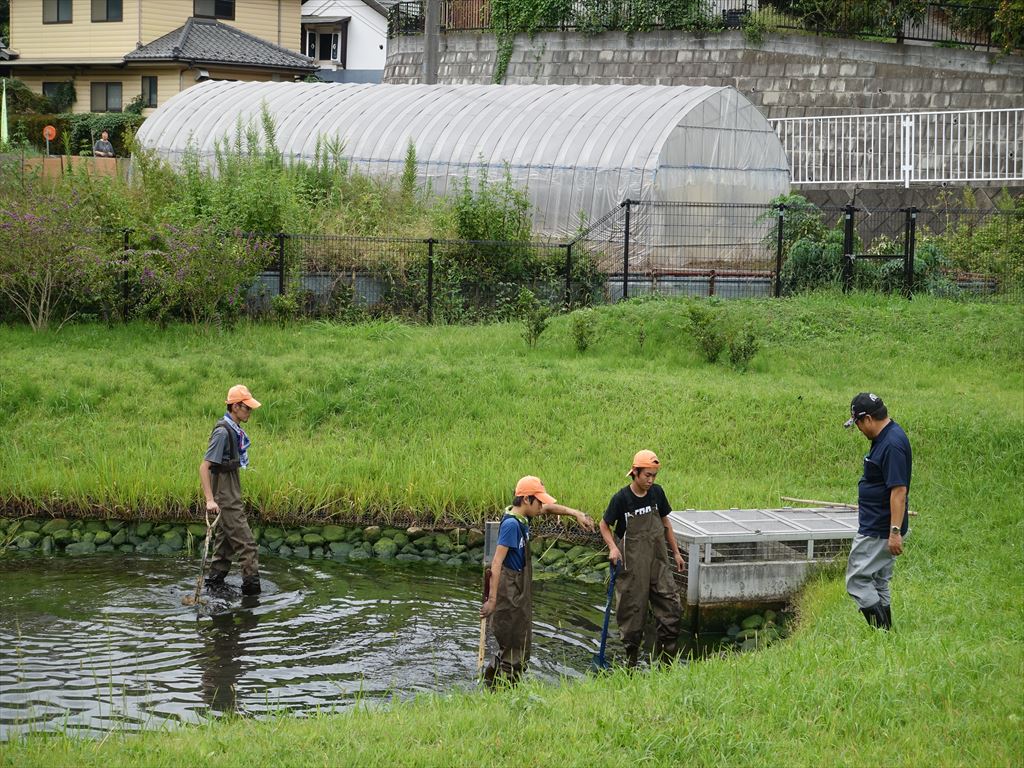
(639, 514)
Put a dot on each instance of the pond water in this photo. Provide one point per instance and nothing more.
(92, 644)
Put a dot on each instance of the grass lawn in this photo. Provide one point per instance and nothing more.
(442, 421)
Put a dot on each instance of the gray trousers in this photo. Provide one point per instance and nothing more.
(869, 571)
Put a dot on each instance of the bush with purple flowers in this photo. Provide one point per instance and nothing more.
(196, 273)
(53, 261)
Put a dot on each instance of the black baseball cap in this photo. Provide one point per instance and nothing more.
(864, 404)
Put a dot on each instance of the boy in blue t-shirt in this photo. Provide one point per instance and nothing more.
(510, 602)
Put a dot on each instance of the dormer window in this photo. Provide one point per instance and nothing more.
(214, 9)
(325, 46)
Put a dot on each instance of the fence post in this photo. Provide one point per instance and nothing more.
(625, 256)
(848, 248)
(778, 251)
(125, 247)
(568, 277)
(909, 246)
(430, 280)
(280, 263)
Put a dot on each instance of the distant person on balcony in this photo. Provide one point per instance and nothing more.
(639, 536)
(103, 147)
(881, 509)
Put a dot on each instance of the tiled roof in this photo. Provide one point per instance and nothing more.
(206, 41)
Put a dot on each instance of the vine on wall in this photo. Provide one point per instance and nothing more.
(514, 17)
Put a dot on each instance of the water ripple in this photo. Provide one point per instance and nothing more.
(94, 644)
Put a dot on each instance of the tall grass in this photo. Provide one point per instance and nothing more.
(443, 420)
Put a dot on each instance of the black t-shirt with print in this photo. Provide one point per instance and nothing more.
(626, 505)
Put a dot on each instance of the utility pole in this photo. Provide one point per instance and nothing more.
(431, 41)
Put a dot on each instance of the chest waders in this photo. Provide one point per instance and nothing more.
(233, 536)
(512, 620)
(646, 577)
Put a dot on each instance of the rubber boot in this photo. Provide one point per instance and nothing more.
(251, 585)
(874, 615)
(215, 579)
(632, 657)
(886, 617)
(489, 672)
(668, 653)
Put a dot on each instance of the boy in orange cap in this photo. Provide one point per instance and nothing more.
(510, 602)
(639, 513)
(227, 453)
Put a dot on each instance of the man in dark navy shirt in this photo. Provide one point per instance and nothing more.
(882, 509)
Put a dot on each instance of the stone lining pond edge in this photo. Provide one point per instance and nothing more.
(554, 555)
(453, 546)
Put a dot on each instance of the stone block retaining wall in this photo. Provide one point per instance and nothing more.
(785, 76)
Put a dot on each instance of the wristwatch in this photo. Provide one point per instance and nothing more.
(894, 529)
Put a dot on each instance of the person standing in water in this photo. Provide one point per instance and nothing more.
(639, 546)
(227, 454)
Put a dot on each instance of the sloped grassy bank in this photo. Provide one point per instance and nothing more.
(387, 418)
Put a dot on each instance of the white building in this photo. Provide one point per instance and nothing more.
(348, 38)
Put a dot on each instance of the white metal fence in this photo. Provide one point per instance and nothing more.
(905, 148)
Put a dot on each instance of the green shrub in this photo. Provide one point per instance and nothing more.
(284, 307)
(582, 324)
(993, 245)
(707, 329)
(812, 264)
(408, 184)
(755, 27)
(23, 100)
(742, 347)
(534, 316)
(802, 220)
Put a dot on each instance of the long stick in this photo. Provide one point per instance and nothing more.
(598, 662)
(483, 623)
(830, 503)
(194, 600)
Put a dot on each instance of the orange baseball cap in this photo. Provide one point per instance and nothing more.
(241, 394)
(644, 460)
(532, 486)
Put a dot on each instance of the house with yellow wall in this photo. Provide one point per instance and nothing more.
(113, 51)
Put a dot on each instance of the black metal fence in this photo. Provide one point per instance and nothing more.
(426, 280)
(643, 248)
(747, 251)
(640, 248)
(949, 23)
